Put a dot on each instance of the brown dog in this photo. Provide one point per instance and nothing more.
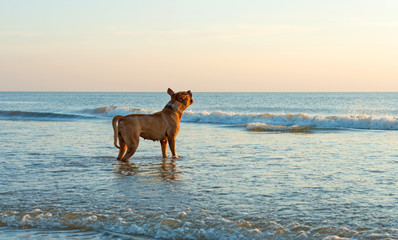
(161, 126)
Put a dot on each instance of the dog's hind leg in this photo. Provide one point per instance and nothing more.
(131, 148)
(122, 148)
(163, 144)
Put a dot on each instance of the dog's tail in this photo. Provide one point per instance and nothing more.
(115, 120)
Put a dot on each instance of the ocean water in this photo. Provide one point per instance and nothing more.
(251, 166)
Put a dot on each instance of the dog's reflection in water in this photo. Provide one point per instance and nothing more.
(169, 170)
(127, 169)
(166, 171)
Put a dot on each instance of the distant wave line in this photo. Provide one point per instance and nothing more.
(43, 116)
(252, 121)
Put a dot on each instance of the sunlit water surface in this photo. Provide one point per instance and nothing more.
(60, 178)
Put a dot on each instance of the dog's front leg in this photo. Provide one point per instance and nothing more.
(163, 144)
(172, 143)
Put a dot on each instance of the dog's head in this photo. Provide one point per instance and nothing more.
(182, 100)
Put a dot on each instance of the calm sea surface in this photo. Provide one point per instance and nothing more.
(251, 166)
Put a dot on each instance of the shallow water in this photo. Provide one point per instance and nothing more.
(60, 178)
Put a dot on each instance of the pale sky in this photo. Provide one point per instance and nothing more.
(203, 45)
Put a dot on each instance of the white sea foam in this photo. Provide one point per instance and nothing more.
(191, 225)
(292, 121)
(111, 111)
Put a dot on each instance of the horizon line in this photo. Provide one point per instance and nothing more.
(45, 91)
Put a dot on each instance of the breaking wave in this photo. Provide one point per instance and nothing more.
(290, 122)
(270, 121)
(41, 116)
(293, 121)
(111, 111)
(284, 122)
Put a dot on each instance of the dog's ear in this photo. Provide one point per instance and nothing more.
(189, 93)
(170, 92)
